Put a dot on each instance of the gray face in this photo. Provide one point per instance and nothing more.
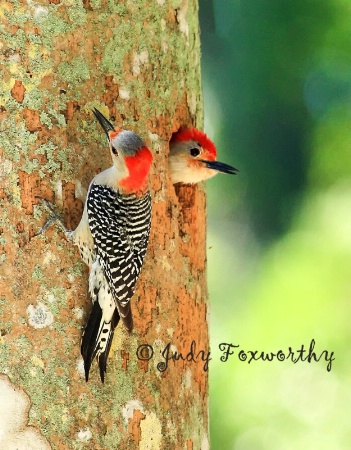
(127, 142)
(188, 148)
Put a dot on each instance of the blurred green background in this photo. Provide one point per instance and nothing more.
(277, 91)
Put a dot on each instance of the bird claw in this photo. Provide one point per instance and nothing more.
(48, 205)
(54, 216)
(45, 226)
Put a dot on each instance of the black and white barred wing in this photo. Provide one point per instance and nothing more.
(139, 223)
(120, 226)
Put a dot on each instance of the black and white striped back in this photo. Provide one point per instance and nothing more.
(120, 226)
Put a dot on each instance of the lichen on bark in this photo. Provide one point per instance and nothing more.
(139, 63)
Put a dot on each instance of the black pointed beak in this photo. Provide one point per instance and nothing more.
(106, 124)
(220, 167)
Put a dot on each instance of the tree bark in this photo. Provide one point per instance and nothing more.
(139, 63)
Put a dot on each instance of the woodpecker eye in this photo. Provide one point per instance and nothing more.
(114, 151)
(194, 152)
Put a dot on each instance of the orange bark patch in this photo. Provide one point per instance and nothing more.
(125, 356)
(158, 218)
(134, 425)
(87, 5)
(164, 126)
(189, 444)
(193, 223)
(31, 185)
(47, 81)
(143, 365)
(71, 107)
(72, 206)
(32, 119)
(156, 183)
(182, 116)
(20, 227)
(111, 95)
(192, 317)
(145, 308)
(18, 91)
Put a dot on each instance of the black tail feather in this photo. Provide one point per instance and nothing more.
(94, 339)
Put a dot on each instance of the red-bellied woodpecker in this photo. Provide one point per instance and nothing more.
(112, 238)
(192, 157)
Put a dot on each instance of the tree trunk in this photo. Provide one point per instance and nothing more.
(138, 62)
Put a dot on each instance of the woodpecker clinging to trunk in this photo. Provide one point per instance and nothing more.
(192, 157)
(112, 238)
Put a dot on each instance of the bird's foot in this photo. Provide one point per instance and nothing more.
(53, 217)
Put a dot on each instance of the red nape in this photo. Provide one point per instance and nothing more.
(192, 134)
(114, 133)
(139, 167)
